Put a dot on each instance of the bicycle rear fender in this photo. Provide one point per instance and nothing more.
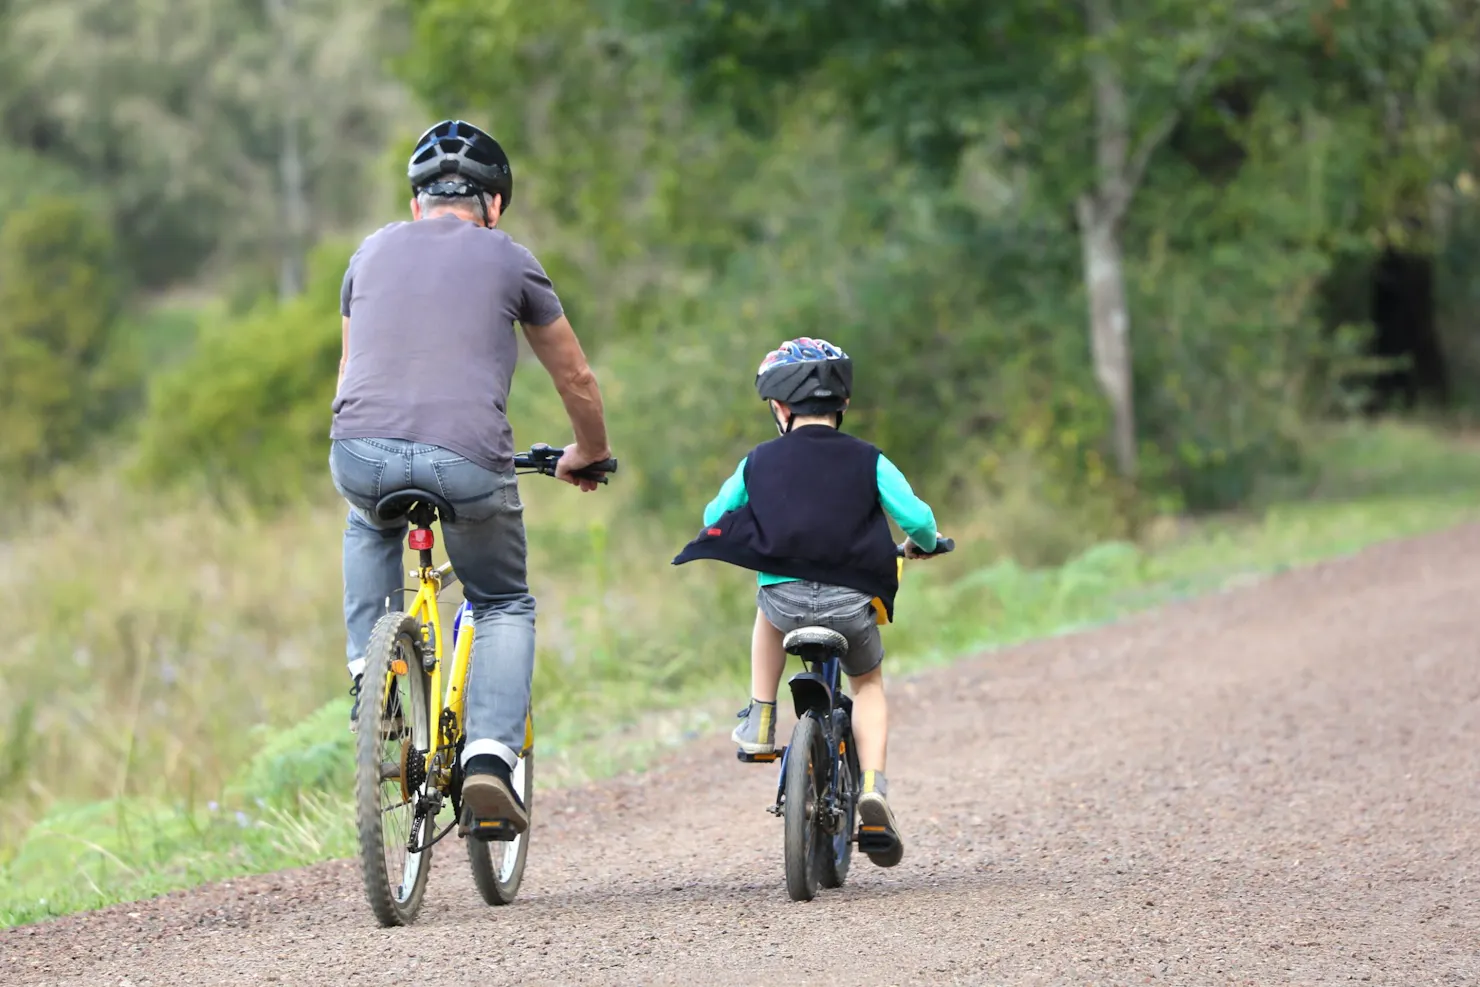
(809, 691)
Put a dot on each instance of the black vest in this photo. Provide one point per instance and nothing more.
(813, 513)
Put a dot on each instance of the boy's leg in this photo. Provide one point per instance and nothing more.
(852, 615)
(871, 736)
(870, 719)
(756, 733)
(767, 660)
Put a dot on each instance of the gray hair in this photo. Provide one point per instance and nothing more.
(475, 204)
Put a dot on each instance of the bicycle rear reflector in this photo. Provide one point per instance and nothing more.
(421, 539)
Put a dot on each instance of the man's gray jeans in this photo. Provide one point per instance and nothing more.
(487, 549)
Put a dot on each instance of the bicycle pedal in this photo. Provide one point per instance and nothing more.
(492, 830)
(759, 758)
(487, 830)
(876, 839)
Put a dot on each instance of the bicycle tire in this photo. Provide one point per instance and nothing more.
(498, 876)
(805, 781)
(382, 745)
(838, 853)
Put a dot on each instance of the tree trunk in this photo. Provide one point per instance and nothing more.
(1109, 324)
(1100, 211)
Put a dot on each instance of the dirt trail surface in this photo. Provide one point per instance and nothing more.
(1275, 785)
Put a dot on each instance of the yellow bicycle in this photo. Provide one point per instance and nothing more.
(408, 766)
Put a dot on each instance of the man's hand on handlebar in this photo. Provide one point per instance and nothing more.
(573, 460)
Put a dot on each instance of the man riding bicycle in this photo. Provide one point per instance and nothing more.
(429, 350)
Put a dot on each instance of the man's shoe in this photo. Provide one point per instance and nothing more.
(492, 807)
(757, 733)
(878, 833)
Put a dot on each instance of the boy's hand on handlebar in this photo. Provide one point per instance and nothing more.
(573, 460)
(913, 551)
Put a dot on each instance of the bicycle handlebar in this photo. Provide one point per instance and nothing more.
(942, 546)
(542, 458)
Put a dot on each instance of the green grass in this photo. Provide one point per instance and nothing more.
(202, 746)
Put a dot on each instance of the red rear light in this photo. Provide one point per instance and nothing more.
(421, 539)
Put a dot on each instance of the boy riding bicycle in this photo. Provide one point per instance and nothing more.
(807, 511)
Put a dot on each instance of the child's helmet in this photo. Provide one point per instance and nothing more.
(812, 376)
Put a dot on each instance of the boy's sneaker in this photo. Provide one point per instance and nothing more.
(757, 733)
(878, 833)
(488, 794)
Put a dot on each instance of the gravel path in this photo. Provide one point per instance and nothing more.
(1275, 785)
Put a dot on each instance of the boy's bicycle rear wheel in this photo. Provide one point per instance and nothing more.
(393, 736)
(837, 852)
(805, 786)
(498, 865)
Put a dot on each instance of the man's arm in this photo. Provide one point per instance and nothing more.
(346, 295)
(343, 348)
(557, 347)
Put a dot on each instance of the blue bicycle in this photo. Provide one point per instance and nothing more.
(817, 792)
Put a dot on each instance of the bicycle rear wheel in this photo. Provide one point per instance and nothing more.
(498, 865)
(390, 770)
(805, 786)
(837, 854)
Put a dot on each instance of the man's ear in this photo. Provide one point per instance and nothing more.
(415, 208)
(495, 209)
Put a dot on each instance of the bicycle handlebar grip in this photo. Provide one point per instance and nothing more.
(545, 458)
(942, 546)
(596, 471)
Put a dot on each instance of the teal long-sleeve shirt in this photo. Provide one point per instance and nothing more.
(913, 515)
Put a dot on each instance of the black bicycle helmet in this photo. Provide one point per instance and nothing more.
(455, 149)
(811, 376)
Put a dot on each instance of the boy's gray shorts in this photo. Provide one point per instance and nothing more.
(847, 611)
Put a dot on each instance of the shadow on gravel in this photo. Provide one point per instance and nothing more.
(750, 894)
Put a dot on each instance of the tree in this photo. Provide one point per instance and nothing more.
(193, 115)
(58, 299)
(1082, 95)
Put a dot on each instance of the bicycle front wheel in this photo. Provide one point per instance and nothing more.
(498, 865)
(394, 734)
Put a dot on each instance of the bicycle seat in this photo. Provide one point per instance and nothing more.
(815, 637)
(394, 506)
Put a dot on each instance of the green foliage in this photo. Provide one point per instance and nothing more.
(88, 855)
(58, 298)
(260, 426)
(1296, 132)
(314, 755)
(179, 114)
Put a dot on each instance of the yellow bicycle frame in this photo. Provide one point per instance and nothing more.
(451, 695)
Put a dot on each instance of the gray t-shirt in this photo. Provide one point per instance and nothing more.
(432, 306)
